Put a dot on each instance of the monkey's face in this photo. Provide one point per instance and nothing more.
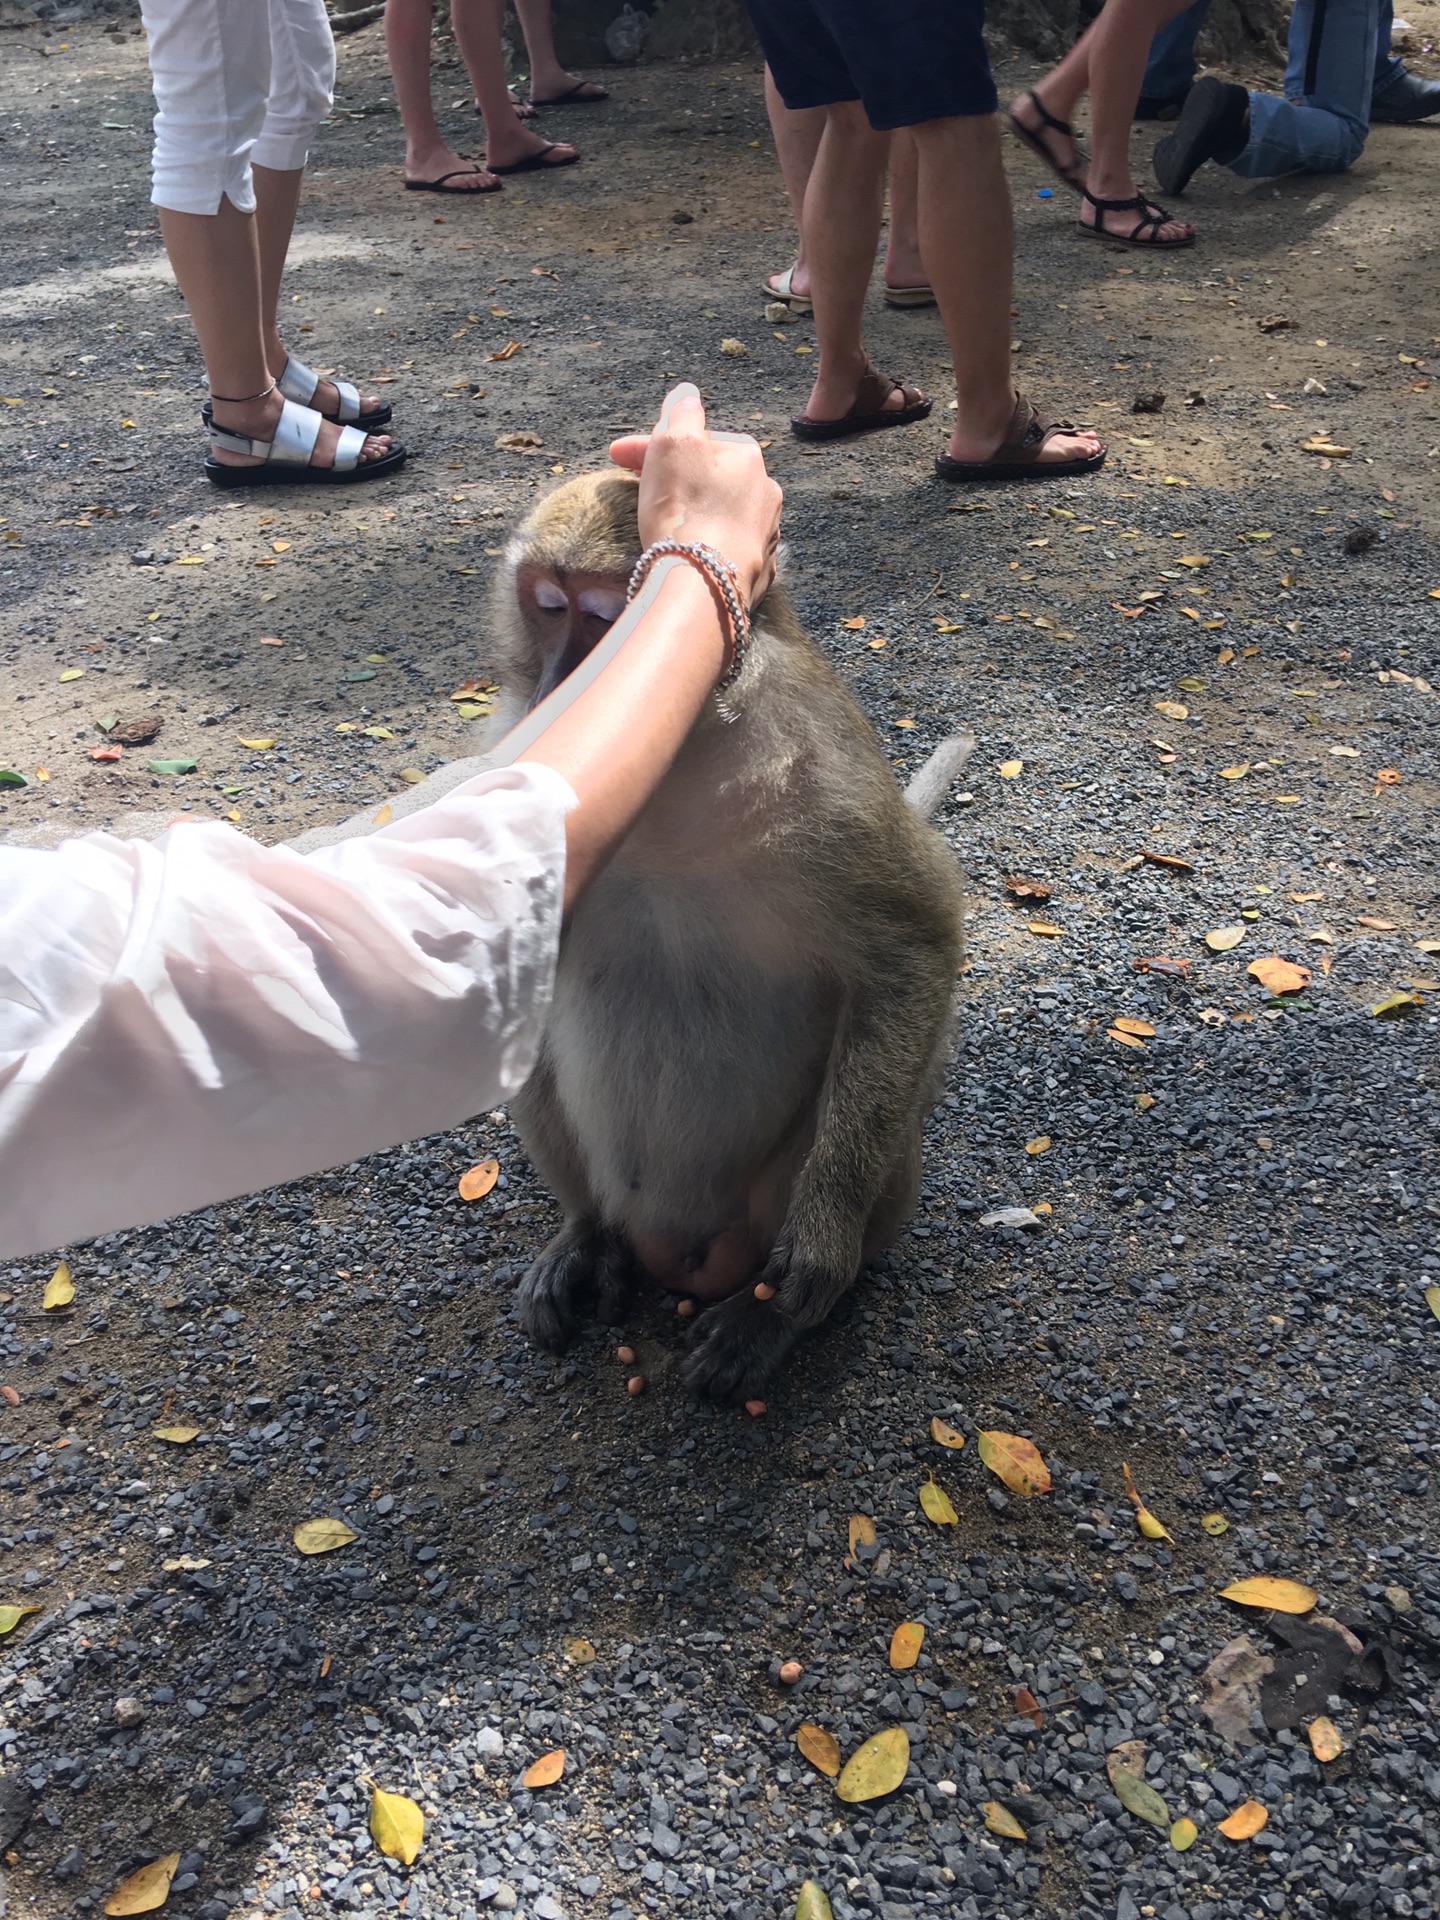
(565, 613)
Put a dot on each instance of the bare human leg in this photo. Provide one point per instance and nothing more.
(966, 243)
(844, 204)
(548, 79)
(477, 33)
(216, 259)
(427, 154)
(277, 197)
(796, 132)
(903, 265)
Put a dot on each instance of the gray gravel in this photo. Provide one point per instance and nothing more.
(1227, 1292)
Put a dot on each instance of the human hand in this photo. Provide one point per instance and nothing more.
(707, 487)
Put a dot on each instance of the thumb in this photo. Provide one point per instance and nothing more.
(683, 413)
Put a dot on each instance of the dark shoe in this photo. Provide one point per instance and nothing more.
(1214, 124)
(1160, 106)
(1404, 99)
(869, 413)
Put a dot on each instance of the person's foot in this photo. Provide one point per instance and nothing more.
(431, 163)
(1404, 99)
(975, 439)
(1160, 106)
(1214, 124)
(835, 393)
(1135, 220)
(507, 146)
(1049, 135)
(326, 397)
(792, 283)
(259, 419)
(563, 88)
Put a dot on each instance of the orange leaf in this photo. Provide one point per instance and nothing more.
(819, 1748)
(854, 623)
(1279, 976)
(1245, 1822)
(1142, 1029)
(905, 1644)
(383, 817)
(945, 1436)
(862, 1531)
(477, 1182)
(545, 1771)
(1125, 1039)
(1325, 1741)
(1028, 1706)
(1015, 1461)
(1046, 929)
(1040, 1144)
(1171, 860)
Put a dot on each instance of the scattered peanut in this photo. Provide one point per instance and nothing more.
(791, 1672)
(635, 1385)
(755, 1408)
(625, 1355)
(764, 1291)
(684, 1308)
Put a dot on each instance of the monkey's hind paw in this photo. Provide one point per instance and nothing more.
(584, 1274)
(738, 1347)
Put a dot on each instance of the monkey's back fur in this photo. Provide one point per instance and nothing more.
(752, 1004)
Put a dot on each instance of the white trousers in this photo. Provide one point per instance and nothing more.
(237, 82)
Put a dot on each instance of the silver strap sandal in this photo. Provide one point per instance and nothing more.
(299, 382)
(286, 458)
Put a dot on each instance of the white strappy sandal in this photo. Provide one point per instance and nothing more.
(286, 458)
(298, 383)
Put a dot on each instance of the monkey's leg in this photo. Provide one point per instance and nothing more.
(587, 1272)
(739, 1345)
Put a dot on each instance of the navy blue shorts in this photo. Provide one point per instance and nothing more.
(904, 60)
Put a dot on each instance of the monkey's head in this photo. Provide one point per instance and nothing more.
(564, 582)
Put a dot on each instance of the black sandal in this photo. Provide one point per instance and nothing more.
(1034, 138)
(868, 413)
(539, 162)
(1145, 234)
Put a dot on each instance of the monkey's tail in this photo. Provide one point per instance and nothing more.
(934, 780)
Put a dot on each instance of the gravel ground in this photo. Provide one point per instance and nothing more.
(1236, 1220)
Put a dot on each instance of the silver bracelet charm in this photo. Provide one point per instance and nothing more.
(724, 583)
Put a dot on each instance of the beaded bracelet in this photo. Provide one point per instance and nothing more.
(723, 581)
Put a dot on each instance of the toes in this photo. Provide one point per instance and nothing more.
(614, 1282)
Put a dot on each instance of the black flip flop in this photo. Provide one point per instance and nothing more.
(869, 414)
(458, 173)
(576, 96)
(537, 162)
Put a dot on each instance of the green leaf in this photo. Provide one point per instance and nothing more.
(1432, 1300)
(170, 766)
(361, 673)
(813, 1903)
(9, 778)
(1000, 1820)
(10, 1618)
(1142, 1801)
(877, 1768)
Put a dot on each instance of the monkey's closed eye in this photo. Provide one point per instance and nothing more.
(549, 598)
(602, 603)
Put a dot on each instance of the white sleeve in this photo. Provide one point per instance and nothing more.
(199, 1016)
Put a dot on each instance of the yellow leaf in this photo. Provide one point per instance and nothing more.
(1279, 976)
(59, 1289)
(1141, 1028)
(42, 774)
(177, 1436)
(72, 673)
(1015, 1461)
(1237, 772)
(475, 1184)
(906, 724)
(377, 733)
(578, 1651)
(1225, 656)
(397, 1826)
(1124, 1039)
(877, 1768)
(10, 1618)
(1041, 1144)
(1144, 1519)
(412, 776)
(1275, 1596)
(936, 1503)
(377, 659)
(1222, 939)
(1214, 1524)
(1183, 1835)
(146, 1890)
(819, 1748)
(1191, 685)
(1432, 1300)
(262, 744)
(1045, 928)
(854, 623)
(1144, 1101)
(1245, 1822)
(280, 546)
(1325, 1741)
(813, 1903)
(1000, 1820)
(1396, 1003)
(1010, 768)
(862, 1531)
(948, 1437)
(384, 816)
(1193, 560)
(545, 1771)
(322, 1535)
(1172, 709)
(905, 1644)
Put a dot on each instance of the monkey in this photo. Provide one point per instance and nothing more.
(752, 1003)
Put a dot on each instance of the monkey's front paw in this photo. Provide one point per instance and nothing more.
(738, 1347)
(808, 1284)
(583, 1274)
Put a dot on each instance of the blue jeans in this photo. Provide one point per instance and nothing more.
(1339, 56)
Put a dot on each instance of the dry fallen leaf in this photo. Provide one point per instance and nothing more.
(384, 816)
(322, 1535)
(1028, 1707)
(1144, 1519)
(1016, 1462)
(945, 1436)
(1140, 1029)
(1279, 976)
(862, 1531)
(146, 1890)
(1372, 921)
(1325, 1741)
(936, 1503)
(1000, 1820)
(1245, 1822)
(1394, 1003)
(397, 1826)
(1276, 1596)
(813, 1903)
(477, 1182)
(577, 1651)
(1010, 768)
(545, 1771)
(854, 623)
(1183, 1835)
(177, 1436)
(59, 1289)
(1040, 1144)
(1171, 860)
(1124, 1039)
(1046, 929)
(876, 1768)
(1024, 888)
(905, 1644)
(1237, 772)
(1214, 1524)
(1173, 709)
(819, 1748)
(1222, 939)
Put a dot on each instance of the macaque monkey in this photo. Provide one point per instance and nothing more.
(752, 1006)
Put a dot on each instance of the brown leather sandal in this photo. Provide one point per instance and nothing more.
(1034, 138)
(1018, 455)
(869, 413)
